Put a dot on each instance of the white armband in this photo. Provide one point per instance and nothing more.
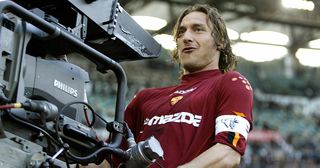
(233, 123)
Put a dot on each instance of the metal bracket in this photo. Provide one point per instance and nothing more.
(115, 126)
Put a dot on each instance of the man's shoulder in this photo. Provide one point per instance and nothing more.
(233, 80)
(233, 73)
(148, 91)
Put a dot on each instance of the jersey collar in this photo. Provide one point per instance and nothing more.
(198, 76)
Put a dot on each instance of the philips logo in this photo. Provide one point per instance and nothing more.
(65, 88)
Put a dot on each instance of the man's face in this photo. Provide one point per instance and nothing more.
(196, 47)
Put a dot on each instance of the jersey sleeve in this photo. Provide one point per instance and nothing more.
(133, 114)
(234, 119)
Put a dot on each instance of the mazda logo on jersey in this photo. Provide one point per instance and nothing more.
(181, 117)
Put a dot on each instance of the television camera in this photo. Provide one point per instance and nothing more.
(43, 96)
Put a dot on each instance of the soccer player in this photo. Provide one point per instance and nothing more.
(205, 120)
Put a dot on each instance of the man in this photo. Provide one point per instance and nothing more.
(205, 120)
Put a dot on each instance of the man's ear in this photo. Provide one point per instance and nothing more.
(220, 47)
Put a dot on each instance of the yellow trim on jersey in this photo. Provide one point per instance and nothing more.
(236, 139)
(239, 114)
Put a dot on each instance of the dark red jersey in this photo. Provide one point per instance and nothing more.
(206, 108)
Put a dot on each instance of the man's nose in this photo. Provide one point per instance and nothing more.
(187, 36)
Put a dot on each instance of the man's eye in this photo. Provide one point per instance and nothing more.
(198, 29)
(180, 34)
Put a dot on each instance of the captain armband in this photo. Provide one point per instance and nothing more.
(232, 123)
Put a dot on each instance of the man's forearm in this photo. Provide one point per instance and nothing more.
(104, 164)
(218, 156)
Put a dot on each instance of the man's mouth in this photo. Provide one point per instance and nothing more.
(188, 49)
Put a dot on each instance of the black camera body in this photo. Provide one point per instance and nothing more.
(43, 96)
